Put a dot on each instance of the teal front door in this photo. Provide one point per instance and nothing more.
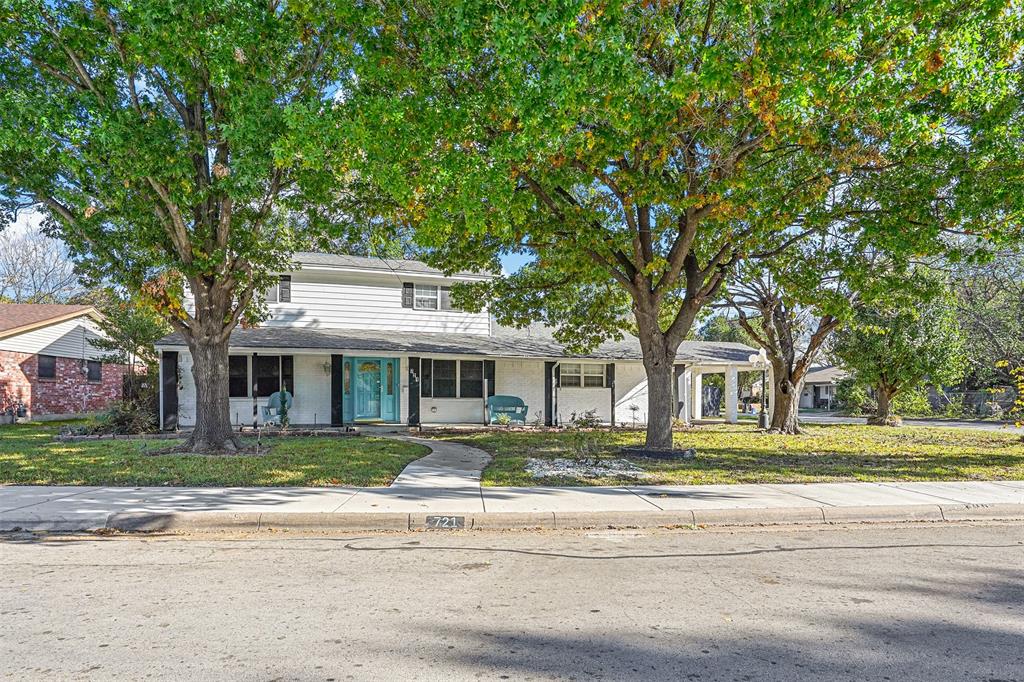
(375, 389)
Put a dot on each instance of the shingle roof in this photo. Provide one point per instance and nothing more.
(383, 264)
(14, 316)
(506, 342)
(825, 374)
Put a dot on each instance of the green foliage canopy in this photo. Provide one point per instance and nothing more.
(897, 348)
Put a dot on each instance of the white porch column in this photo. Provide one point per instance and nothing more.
(696, 397)
(732, 389)
(683, 388)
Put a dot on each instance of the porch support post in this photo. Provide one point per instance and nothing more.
(696, 396)
(686, 395)
(255, 422)
(732, 386)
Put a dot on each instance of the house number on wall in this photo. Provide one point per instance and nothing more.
(446, 522)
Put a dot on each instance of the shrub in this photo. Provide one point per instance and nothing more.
(912, 403)
(503, 419)
(124, 417)
(853, 397)
(954, 408)
(584, 420)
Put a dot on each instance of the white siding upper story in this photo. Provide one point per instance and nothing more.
(336, 300)
(68, 339)
(326, 297)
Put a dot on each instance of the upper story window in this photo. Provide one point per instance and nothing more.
(581, 375)
(281, 292)
(426, 297)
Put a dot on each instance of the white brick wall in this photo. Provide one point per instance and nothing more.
(523, 379)
(312, 399)
(630, 389)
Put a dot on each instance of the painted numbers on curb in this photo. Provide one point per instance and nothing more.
(445, 522)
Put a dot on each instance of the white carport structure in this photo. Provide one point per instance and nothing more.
(690, 384)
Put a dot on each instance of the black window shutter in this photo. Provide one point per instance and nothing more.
(446, 298)
(288, 374)
(414, 391)
(609, 376)
(426, 377)
(170, 392)
(549, 370)
(407, 294)
(337, 389)
(489, 375)
(284, 290)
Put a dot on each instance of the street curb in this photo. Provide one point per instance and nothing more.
(257, 522)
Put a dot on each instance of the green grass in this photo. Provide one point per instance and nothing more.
(30, 455)
(740, 454)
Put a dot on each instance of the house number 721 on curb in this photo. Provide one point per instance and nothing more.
(446, 522)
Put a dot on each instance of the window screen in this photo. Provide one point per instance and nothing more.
(268, 374)
(444, 378)
(471, 379)
(238, 376)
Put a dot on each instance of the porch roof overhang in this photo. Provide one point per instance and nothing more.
(508, 343)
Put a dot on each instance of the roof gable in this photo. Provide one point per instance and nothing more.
(18, 318)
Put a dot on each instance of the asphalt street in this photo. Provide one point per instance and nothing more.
(910, 602)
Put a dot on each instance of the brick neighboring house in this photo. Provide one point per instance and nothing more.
(48, 365)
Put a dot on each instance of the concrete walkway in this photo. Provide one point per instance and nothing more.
(406, 506)
(449, 465)
(446, 483)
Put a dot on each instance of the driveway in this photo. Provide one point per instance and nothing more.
(831, 418)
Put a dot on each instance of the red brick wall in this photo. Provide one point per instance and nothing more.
(69, 393)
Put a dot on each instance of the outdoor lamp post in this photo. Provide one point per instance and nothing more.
(760, 360)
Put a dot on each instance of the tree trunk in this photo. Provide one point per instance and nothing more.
(661, 403)
(785, 409)
(213, 431)
(883, 413)
(785, 401)
(659, 360)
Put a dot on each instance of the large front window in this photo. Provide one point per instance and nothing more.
(425, 297)
(456, 378)
(273, 373)
(444, 379)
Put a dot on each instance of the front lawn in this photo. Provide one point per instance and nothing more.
(30, 455)
(741, 454)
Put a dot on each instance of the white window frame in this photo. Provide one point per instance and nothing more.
(592, 371)
(422, 292)
(272, 295)
(579, 372)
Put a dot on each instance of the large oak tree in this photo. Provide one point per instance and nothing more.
(158, 138)
(640, 150)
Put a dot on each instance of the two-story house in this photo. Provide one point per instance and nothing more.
(366, 340)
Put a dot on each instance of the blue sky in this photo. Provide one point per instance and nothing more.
(511, 262)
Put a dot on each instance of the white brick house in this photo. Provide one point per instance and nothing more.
(361, 340)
